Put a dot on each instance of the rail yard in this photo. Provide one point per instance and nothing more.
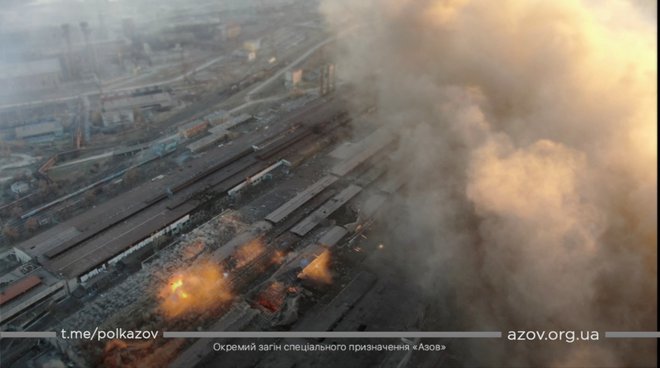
(293, 201)
(249, 209)
(328, 183)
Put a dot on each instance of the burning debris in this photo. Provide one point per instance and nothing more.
(278, 257)
(248, 252)
(281, 300)
(318, 270)
(272, 297)
(194, 290)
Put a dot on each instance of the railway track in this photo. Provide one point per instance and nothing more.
(310, 125)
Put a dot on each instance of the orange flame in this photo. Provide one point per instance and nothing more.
(248, 252)
(194, 290)
(278, 257)
(318, 270)
(273, 296)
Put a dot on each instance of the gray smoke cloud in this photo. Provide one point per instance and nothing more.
(529, 132)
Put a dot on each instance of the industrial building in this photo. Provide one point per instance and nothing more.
(146, 98)
(221, 123)
(193, 128)
(232, 170)
(207, 174)
(269, 283)
(112, 118)
(119, 108)
(304, 226)
(292, 78)
(25, 286)
(207, 141)
(37, 132)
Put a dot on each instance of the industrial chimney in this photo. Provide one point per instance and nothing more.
(66, 33)
(91, 54)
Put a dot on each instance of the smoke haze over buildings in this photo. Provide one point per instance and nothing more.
(529, 131)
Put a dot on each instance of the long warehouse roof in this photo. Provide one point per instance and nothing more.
(19, 287)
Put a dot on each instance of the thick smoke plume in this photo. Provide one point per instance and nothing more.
(529, 132)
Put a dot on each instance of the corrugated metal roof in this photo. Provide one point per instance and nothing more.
(369, 146)
(193, 124)
(321, 213)
(204, 142)
(303, 197)
(332, 236)
(19, 287)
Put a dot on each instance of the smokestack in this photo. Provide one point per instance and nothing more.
(327, 80)
(66, 33)
(91, 54)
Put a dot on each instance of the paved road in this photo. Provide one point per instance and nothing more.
(178, 78)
